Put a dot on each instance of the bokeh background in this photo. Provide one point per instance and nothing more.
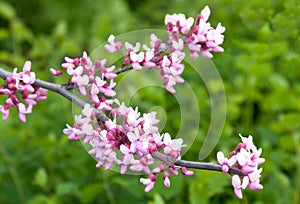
(259, 68)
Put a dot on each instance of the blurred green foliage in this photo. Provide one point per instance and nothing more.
(259, 68)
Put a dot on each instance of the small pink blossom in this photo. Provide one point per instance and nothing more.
(225, 162)
(166, 178)
(204, 15)
(112, 46)
(131, 48)
(82, 81)
(5, 111)
(148, 182)
(106, 72)
(23, 110)
(186, 172)
(70, 63)
(136, 60)
(27, 76)
(239, 185)
(55, 72)
(245, 157)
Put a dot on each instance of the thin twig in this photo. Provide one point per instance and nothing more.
(194, 165)
(57, 89)
(127, 68)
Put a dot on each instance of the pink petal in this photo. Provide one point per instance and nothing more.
(167, 182)
(205, 13)
(236, 181)
(220, 157)
(27, 66)
(136, 66)
(123, 169)
(111, 75)
(109, 48)
(255, 186)
(238, 193)
(207, 54)
(55, 72)
(22, 117)
(149, 187)
(225, 168)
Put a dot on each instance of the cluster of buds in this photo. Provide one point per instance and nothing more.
(22, 93)
(199, 36)
(91, 79)
(245, 157)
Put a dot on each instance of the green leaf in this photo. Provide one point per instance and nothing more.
(7, 11)
(40, 177)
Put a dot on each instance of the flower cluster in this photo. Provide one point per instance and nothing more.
(130, 145)
(21, 92)
(199, 35)
(245, 157)
(150, 57)
(83, 74)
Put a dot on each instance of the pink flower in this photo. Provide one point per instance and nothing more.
(106, 72)
(148, 182)
(186, 172)
(23, 110)
(204, 15)
(238, 185)
(246, 158)
(106, 89)
(112, 46)
(5, 111)
(254, 180)
(172, 146)
(166, 178)
(136, 60)
(148, 122)
(178, 45)
(82, 81)
(133, 136)
(178, 22)
(27, 76)
(156, 43)
(55, 72)
(131, 48)
(141, 165)
(70, 64)
(88, 111)
(225, 162)
(149, 55)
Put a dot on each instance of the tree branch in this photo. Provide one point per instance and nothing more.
(57, 89)
(163, 50)
(195, 165)
(158, 155)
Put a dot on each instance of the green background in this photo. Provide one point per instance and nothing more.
(259, 68)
